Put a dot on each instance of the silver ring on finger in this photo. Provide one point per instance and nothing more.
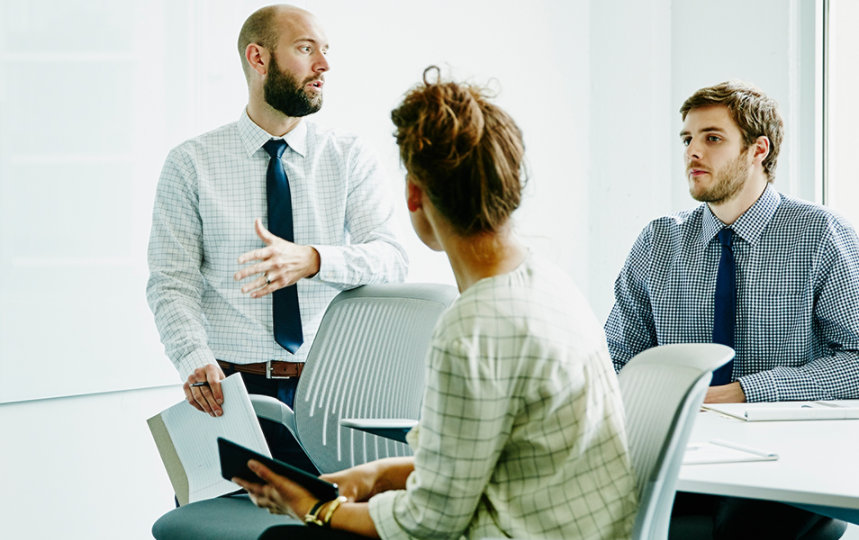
(267, 279)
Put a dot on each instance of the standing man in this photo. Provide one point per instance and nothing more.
(260, 223)
(773, 277)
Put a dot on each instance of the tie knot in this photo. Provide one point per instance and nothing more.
(726, 237)
(275, 147)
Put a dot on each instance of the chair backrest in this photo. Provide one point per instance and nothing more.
(368, 360)
(662, 390)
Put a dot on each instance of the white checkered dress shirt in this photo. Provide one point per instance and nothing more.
(797, 330)
(521, 433)
(211, 189)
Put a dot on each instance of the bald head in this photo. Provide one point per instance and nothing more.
(263, 28)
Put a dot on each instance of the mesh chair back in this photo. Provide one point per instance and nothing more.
(662, 389)
(367, 361)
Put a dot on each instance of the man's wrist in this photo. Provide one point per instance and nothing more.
(761, 386)
(727, 393)
(741, 394)
(315, 261)
(198, 358)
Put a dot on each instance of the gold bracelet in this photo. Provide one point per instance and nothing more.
(312, 517)
(335, 504)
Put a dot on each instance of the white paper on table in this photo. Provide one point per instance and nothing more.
(718, 451)
(788, 410)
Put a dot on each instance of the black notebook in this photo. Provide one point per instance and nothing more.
(234, 463)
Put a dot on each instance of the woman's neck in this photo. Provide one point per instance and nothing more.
(481, 256)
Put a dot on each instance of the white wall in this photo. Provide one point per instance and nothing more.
(83, 468)
(770, 43)
(629, 175)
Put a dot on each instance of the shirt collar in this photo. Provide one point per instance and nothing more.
(253, 136)
(748, 226)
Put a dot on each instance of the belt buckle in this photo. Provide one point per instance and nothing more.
(268, 373)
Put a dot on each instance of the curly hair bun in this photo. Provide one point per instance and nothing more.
(466, 152)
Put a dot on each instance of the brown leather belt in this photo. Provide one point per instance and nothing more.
(273, 369)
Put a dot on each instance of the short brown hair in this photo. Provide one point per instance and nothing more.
(465, 152)
(259, 28)
(755, 113)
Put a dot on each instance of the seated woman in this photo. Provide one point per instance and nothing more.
(521, 432)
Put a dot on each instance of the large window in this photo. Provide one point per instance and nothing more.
(841, 108)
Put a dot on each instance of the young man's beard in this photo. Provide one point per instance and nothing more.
(729, 180)
(285, 94)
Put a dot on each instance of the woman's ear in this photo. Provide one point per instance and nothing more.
(414, 196)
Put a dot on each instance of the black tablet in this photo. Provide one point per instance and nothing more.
(234, 463)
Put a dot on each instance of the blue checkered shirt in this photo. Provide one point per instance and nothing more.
(797, 330)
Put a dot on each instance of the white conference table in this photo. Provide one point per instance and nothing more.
(817, 468)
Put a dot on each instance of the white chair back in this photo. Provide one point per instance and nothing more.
(662, 390)
(368, 361)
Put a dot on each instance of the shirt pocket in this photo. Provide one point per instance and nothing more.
(777, 327)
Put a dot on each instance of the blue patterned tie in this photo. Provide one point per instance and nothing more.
(285, 313)
(725, 305)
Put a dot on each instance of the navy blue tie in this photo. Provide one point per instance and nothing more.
(725, 305)
(286, 316)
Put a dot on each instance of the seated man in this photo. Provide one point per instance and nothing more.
(773, 277)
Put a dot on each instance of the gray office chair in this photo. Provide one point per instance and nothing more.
(368, 360)
(662, 390)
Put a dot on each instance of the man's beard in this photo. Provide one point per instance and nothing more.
(285, 94)
(728, 181)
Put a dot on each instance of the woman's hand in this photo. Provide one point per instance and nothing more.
(357, 483)
(278, 494)
(361, 482)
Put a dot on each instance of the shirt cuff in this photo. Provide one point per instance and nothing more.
(196, 359)
(759, 387)
(331, 264)
(382, 513)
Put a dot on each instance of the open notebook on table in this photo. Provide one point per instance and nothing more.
(788, 410)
